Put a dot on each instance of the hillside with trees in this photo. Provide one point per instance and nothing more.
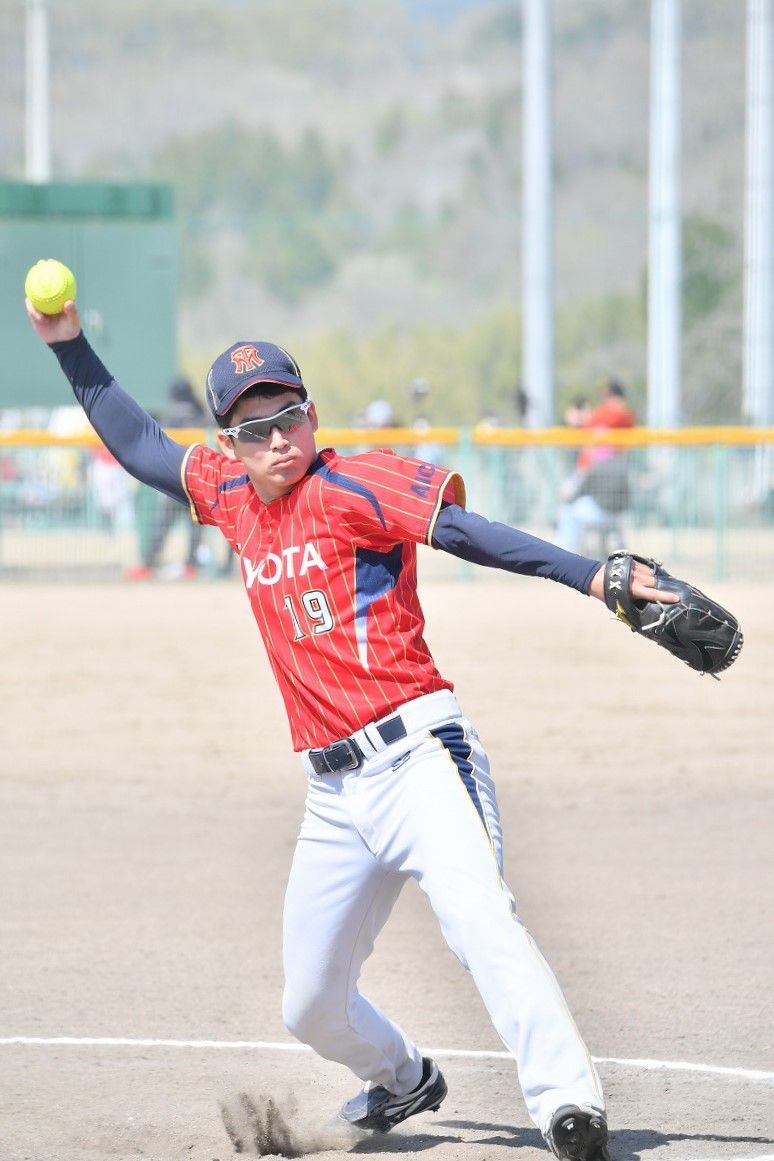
(348, 179)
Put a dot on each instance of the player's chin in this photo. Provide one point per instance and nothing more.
(288, 472)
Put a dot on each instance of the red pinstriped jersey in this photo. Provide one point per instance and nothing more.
(331, 574)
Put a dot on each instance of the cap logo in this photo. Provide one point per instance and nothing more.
(246, 359)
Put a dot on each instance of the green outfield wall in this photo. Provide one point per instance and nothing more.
(120, 241)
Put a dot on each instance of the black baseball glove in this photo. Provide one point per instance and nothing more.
(696, 629)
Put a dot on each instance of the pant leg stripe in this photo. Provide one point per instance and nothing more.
(452, 738)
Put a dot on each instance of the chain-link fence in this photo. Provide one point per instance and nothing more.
(700, 499)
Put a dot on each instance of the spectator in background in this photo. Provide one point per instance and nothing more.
(612, 412)
(112, 489)
(598, 490)
(576, 415)
(184, 409)
(577, 412)
(521, 402)
(378, 413)
(425, 449)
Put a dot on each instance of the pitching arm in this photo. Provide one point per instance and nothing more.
(131, 433)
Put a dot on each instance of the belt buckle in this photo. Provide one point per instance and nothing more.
(351, 761)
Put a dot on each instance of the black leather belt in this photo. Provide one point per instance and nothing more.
(342, 755)
(346, 754)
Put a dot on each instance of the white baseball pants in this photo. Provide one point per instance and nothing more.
(423, 807)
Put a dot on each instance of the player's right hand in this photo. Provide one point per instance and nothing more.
(55, 328)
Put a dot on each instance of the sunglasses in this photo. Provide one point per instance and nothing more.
(259, 430)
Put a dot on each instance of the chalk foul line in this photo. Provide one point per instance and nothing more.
(292, 1046)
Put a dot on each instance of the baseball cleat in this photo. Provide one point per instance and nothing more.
(578, 1135)
(377, 1111)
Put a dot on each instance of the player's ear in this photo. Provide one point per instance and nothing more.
(313, 417)
(226, 445)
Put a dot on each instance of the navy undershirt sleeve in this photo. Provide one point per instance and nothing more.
(474, 538)
(134, 437)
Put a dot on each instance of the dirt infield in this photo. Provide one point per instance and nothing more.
(150, 803)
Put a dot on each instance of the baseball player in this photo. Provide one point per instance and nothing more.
(399, 784)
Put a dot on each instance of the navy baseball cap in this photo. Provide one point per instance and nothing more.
(245, 364)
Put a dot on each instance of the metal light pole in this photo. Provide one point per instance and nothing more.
(537, 216)
(38, 106)
(758, 353)
(664, 229)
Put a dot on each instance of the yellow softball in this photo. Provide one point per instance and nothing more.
(49, 285)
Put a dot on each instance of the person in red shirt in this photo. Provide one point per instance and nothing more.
(612, 412)
(399, 784)
(597, 491)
